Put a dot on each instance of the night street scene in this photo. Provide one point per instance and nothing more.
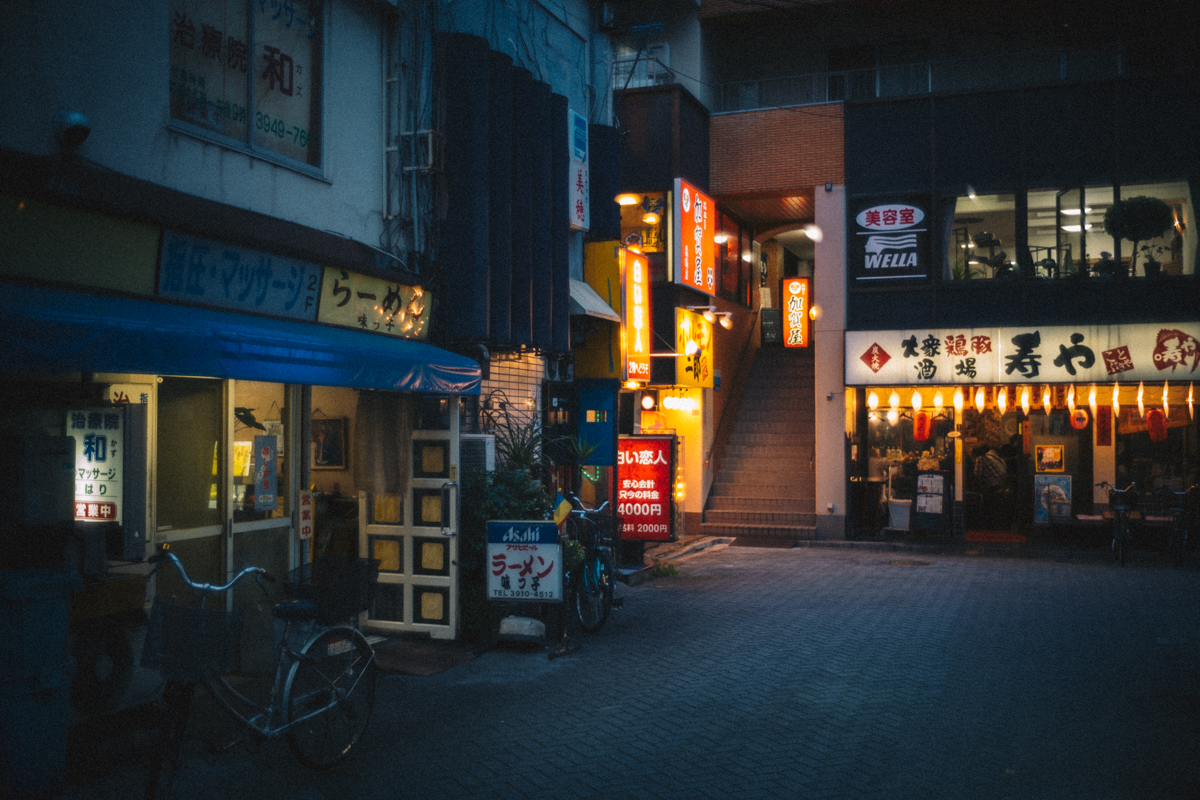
(578, 399)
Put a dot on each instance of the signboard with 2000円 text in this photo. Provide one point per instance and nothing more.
(644, 483)
(524, 561)
(889, 238)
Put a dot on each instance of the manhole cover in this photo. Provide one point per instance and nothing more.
(907, 562)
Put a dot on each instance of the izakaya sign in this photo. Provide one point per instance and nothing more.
(1035, 354)
(635, 333)
(795, 312)
(695, 217)
(644, 472)
(889, 239)
(693, 332)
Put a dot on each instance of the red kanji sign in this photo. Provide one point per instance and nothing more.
(875, 357)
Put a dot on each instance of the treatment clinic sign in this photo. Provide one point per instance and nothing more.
(889, 238)
(695, 220)
(644, 473)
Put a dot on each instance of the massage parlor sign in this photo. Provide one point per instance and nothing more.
(889, 238)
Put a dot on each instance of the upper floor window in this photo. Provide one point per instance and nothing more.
(249, 73)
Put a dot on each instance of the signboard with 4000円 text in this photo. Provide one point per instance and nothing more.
(890, 238)
(644, 475)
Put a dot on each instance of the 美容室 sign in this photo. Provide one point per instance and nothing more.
(695, 231)
(99, 435)
(889, 239)
(578, 192)
(524, 561)
(644, 487)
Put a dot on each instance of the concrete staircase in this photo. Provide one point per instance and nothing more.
(764, 489)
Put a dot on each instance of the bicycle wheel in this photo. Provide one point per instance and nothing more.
(591, 593)
(328, 697)
(168, 750)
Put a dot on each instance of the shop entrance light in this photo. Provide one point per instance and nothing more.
(958, 401)
(1190, 388)
(627, 199)
(711, 314)
(938, 401)
(1092, 400)
(1071, 399)
(1047, 406)
(916, 400)
(872, 401)
(1002, 399)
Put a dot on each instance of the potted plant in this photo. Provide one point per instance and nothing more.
(1138, 219)
(1153, 267)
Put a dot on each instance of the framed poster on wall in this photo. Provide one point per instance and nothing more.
(329, 443)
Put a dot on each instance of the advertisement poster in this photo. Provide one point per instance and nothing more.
(1051, 498)
(99, 462)
(524, 561)
(695, 238)
(266, 473)
(645, 473)
(890, 238)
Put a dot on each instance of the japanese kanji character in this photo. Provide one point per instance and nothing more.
(237, 55)
(956, 345)
(278, 68)
(931, 346)
(184, 30)
(910, 346)
(1025, 360)
(210, 41)
(981, 345)
(965, 367)
(1076, 350)
(926, 369)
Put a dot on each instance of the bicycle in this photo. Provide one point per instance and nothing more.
(323, 693)
(591, 583)
(1182, 506)
(1122, 502)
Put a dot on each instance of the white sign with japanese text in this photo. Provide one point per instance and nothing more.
(1028, 354)
(524, 561)
(99, 449)
(578, 187)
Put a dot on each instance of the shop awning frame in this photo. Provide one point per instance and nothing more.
(57, 329)
(585, 302)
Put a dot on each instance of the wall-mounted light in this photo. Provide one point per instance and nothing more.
(1047, 404)
(1092, 400)
(650, 218)
(1166, 401)
(894, 400)
(632, 384)
(649, 401)
(916, 400)
(627, 199)
(814, 232)
(938, 401)
(971, 192)
(1190, 414)
(1002, 399)
(747, 257)
(1071, 399)
(814, 312)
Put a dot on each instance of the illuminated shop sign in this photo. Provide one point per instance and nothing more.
(1033, 354)
(578, 190)
(635, 335)
(693, 338)
(524, 561)
(351, 300)
(795, 312)
(99, 435)
(889, 239)
(694, 215)
(644, 471)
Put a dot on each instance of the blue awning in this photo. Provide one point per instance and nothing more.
(56, 329)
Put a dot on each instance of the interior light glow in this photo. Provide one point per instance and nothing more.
(980, 401)
(814, 232)
(958, 400)
(1071, 399)
(938, 400)
(1092, 400)
(916, 400)
(648, 402)
(721, 238)
(690, 348)
(1002, 399)
(650, 218)
(1047, 404)
(894, 400)
(1076, 228)
(1141, 407)
(627, 199)
(1166, 400)
(1025, 405)
(872, 401)
(1190, 387)
(893, 416)
(1116, 400)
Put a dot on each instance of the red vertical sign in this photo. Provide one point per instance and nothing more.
(644, 487)
(695, 227)
(795, 312)
(636, 331)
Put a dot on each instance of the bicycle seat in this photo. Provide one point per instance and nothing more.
(295, 610)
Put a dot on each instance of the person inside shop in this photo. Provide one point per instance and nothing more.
(991, 480)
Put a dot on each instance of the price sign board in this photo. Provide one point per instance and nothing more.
(645, 472)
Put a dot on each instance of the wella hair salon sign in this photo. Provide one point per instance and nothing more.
(889, 238)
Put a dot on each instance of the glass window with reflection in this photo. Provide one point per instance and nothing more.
(1155, 223)
(979, 236)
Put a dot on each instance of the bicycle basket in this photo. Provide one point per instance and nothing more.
(600, 531)
(188, 643)
(339, 586)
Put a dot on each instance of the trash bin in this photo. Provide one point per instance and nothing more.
(35, 678)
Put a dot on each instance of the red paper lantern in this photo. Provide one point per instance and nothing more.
(1079, 419)
(1156, 424)
(921, 426)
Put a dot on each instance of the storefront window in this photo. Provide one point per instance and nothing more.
(1174, 250)
(980, 236)
(260, 457)
(1156, 456)
(643, 222)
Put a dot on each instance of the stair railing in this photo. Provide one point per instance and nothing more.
(729, 413)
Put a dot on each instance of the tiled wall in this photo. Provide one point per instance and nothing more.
(515, 381)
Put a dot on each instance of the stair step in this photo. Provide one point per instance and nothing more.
(767, 491)
(797, 532)
(750, 477)
(798, 459)
(772, 440)
(769, 518)
(780, 504)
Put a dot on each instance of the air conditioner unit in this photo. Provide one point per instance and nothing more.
(477, 451)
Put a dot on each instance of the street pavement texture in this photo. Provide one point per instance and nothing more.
(812, 672)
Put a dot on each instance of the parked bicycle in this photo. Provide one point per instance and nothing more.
(323, 691)
(1182, 508)
(1122, 502)
(591, 584)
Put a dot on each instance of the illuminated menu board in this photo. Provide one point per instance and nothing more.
(695, 220)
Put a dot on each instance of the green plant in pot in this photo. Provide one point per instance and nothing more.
(1138, 219)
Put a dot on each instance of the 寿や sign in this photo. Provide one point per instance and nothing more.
(524, 561)
(889, 239)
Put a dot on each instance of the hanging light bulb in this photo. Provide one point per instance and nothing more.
(893, 416)
(1002, 399)
(979, 400)
(1092, 400)
(1141, 408)
(1025, 400)
(872, 401)
(1190, 387)
(938, 401)
(1071, 399)
(894, 400)
(958, 400)
(1047, 406)
(1166, 400)
(1116, 403)
(916, 400)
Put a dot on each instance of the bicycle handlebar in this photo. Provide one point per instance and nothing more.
(259, 574)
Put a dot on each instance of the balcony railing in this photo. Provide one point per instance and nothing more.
(982, 73)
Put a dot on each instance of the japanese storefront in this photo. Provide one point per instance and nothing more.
(1016, 425)
(240, 406)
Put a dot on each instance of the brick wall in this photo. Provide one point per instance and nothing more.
(776, 150)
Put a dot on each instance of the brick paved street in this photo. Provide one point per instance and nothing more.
(813, 672)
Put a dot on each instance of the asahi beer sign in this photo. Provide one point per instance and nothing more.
(890, 239)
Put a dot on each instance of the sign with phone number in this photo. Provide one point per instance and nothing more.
(644, 482)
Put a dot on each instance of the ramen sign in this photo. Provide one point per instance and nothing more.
(890, 239)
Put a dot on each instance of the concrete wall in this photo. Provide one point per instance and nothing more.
(829, 294)
(114, 68)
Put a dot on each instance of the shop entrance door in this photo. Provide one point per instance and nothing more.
(413, 532)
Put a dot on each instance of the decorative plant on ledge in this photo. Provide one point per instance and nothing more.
(1138, 219)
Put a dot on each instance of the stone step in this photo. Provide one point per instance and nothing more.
(765, 491)
(747, 477)
(798, 459)
(747, 504)
(796, 533)
(766, 443)
(770, 518)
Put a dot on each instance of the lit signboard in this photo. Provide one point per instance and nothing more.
(644, 472)
(99, 462)
(695, 221)
(695, 334)
(635, 333)
(795, 312)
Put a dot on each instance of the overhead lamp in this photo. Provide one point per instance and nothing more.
(872, 401)
(971, 192)
(1166, 401)
(894, 400)
(1047, 405)
(1025, 404)
(1002, 399)
(958, 400)
(710, 314)
(726, 321)
(938, 401)
(1141, 408)
(1116, 401)
(627, 199)
(812, 231)
(916, 400)
(979, 400)
(650, 218)
(1076, 228)
(632, 385)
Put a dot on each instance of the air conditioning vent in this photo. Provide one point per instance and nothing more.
(477, 451)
